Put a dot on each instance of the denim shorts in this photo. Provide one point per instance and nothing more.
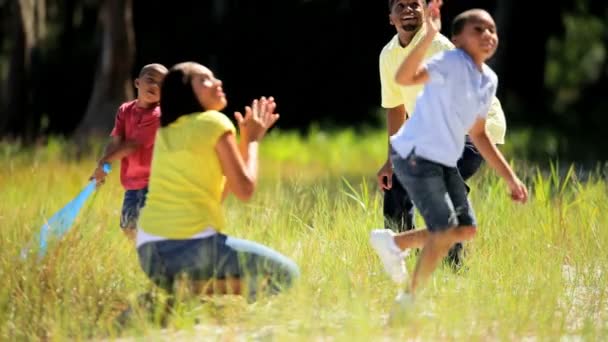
(131, 206)
(217, 257)
(438, 191)
(398, 207)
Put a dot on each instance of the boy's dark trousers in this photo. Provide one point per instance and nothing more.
(399, 209)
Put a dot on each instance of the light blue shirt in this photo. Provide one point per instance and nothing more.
(456, 94)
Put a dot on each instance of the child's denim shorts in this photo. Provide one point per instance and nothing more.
(131, 206)
(438, 191)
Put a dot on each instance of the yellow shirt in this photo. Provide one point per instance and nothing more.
(186, 180)
(394, 95)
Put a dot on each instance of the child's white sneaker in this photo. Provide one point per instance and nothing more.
(382, 240)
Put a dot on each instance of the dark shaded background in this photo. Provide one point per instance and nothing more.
(319, 58)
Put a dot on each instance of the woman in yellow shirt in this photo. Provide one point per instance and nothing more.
(196, 162)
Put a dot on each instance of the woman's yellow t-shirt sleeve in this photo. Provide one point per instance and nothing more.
(217, 124)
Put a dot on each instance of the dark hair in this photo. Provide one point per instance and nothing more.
(177, 96)
(462, 19)
(154, 67)
(392, 2)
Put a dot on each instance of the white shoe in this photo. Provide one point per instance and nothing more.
(383, 242)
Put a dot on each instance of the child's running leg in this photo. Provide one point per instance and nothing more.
(132, 204)
(454, 205)
(440, 195)
(435, 249)
(412, 239)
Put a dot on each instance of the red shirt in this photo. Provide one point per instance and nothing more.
(136, 124)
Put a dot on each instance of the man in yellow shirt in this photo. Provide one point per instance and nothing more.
(407, 16)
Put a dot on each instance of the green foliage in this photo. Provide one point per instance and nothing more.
(577, 59)
(534, 271)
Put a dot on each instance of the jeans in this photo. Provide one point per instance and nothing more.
(217, 257)
(132, 204)
(399, 209)
(438, 191)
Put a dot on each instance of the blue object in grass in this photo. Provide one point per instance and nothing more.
(63, 220)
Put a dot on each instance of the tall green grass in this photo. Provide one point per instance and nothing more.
(537, 271)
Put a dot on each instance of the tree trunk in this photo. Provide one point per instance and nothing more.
(113, 83)
(28, 28)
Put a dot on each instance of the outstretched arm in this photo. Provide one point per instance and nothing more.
(241, 173)
(496, 160)
(240, 163)
(116, 149)
(119, 149)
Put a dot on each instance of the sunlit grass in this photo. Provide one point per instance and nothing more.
(534, 271)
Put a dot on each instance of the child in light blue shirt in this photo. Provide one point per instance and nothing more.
(456, 95)
(458, 90)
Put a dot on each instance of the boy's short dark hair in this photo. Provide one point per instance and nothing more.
(462, 19)
(392, 2)
(153, 67)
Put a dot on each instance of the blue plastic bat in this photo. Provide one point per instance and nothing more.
(63, 220)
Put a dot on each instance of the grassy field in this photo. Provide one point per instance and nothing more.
(537, 271)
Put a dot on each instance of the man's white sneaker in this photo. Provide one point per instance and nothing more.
(382, 240)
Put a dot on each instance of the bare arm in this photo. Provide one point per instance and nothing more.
(118, 149)
(395, 118)
(115, 149)
(243, 150)
(240, 171)
(240, 164)
(489, 151)
(411, 70)
(115, 141)
(496, 160)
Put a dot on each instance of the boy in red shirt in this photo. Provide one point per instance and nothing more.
(132, 141)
